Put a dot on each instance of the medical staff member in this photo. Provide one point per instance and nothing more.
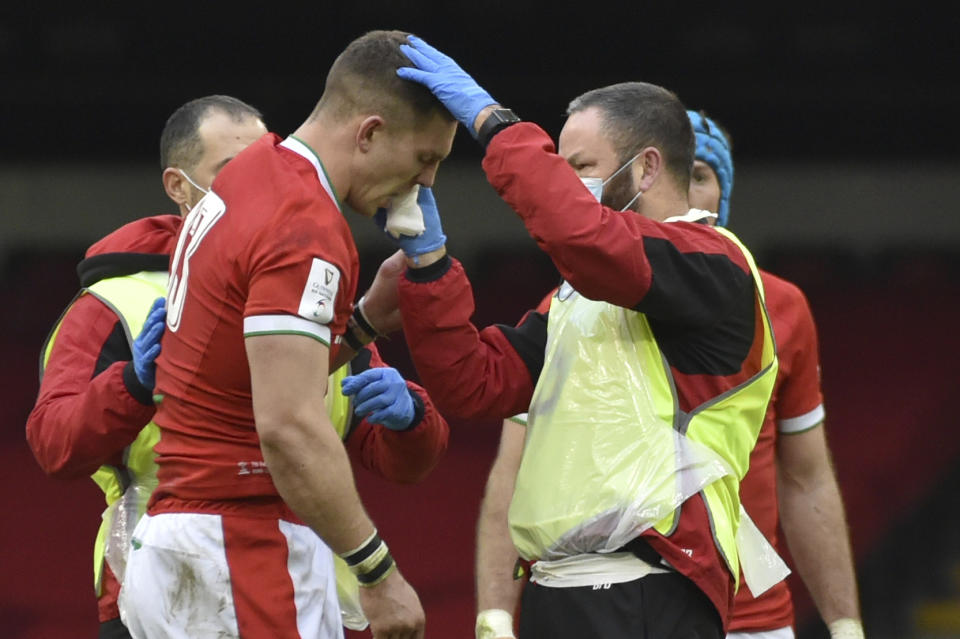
(646, 380)
(93, 411)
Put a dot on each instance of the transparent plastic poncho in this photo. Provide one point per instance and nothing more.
(601, 462)
(348, 592)
(121, 517)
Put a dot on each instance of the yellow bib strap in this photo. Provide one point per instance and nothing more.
(339, 406)
(130, 298)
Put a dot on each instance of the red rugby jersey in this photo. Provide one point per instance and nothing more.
(267, 251)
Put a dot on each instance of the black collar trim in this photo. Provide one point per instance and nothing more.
(100, 267)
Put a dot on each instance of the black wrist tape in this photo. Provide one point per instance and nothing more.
(362, 322)
(364, 552)
(351, 339)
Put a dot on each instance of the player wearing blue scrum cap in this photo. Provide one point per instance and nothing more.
(792, 440)
(714, 148)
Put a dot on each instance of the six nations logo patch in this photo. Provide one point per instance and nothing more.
(316, 303)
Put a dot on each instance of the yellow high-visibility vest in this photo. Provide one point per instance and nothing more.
(608, 454)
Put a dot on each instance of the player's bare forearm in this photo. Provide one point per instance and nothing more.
(813, 521)
(496, 554)
(302, 450)
(313, 475)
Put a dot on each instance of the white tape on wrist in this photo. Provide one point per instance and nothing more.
(494, 623)
(846, 629)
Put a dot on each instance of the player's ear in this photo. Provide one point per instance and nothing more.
(176, 186)
(368, 129)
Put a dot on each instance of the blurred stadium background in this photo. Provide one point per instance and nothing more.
(845, 141)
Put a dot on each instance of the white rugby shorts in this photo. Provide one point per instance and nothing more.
(194, 576)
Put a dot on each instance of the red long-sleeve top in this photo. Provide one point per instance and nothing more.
(400, 456)
(90, 405)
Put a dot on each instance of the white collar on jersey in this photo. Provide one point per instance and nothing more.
(302, 149)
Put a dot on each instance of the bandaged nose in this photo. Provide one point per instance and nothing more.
(404, 217)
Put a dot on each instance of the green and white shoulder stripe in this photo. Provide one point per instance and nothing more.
(285, 325)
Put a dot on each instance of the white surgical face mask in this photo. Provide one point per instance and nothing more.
(195, 185)
(595, 185)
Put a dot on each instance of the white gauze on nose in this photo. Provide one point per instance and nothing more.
(404, 217)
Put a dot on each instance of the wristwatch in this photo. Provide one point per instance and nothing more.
(498, 120)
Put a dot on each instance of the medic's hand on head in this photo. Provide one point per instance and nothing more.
(430, 239)
(453, 86)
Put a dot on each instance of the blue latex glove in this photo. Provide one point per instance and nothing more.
(432, 237)
(382, 397)
(453, 86)
(146, 346)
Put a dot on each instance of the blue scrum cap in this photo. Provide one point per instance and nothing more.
(714, 149)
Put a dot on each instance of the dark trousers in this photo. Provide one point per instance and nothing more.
(661, 606)
(113, 629)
